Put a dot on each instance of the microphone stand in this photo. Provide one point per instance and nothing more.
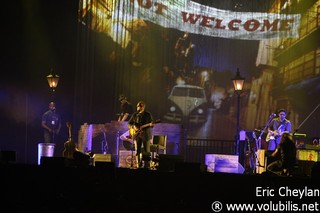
(258, 142)
(53, 133)
(132, 149)
(264, 129)
(53, 121)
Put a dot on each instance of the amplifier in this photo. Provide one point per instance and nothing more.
(308, 155)
(101, 158)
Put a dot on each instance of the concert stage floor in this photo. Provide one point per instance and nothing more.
(110, 189)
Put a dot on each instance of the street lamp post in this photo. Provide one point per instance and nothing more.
(53, 80)
(238, 83)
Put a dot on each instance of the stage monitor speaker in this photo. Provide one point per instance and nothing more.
(167, 162)
(7, 156)
(223, 163)
(52, 161)
(98, 158)
(187, 167)
(104, 164)
(304, 167)
(315, 170)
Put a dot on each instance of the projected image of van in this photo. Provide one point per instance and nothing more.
(187, 103)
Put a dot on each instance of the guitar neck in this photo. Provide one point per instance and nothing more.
(69, 125)
(145, 125)
(148, 124)
(69, 131)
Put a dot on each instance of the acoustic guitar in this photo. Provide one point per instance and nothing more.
(69, 145)
(135, 131)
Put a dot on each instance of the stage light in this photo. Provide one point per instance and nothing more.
(53, 80)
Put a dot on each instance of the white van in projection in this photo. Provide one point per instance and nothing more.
(187, 103)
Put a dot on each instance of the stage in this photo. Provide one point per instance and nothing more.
(106, 188)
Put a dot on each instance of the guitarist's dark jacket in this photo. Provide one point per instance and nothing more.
(139, 119)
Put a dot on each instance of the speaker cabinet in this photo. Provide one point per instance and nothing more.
(305, 167)
(168, 162)
(187, 167)
(52, 161)
(7, 156)
(101, 158)
(223, 163)
(315, 170)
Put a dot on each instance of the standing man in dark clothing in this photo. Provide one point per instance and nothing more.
(286, 152)
(126, 108)
(276, 128)
(141, 123)
(51, 124)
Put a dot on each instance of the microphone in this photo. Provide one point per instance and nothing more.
(273, 115)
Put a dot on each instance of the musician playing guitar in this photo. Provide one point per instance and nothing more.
(276, 128)
(142, 122)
